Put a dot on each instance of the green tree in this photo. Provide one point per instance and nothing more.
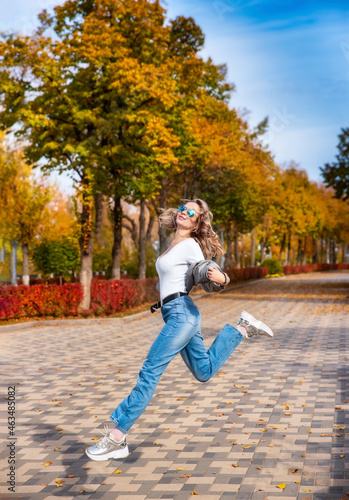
(336, 174)
(60, 257)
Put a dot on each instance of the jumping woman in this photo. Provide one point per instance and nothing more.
(179, 268)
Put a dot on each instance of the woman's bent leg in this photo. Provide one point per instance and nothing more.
(174, 336)
(204, 363)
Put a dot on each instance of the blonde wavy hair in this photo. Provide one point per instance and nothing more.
(202, 232)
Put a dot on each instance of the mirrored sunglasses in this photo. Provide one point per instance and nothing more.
(190, 211)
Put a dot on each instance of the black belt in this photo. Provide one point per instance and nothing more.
(167, 299)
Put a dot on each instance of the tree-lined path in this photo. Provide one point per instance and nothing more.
(271, 424)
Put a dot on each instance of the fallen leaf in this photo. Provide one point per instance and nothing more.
(57, 448)
(194, 493)
(235, 465)
(342, 456)
(186, 475)
(156, 444)
(46, 464)
(180, 468)
(282, 486)
(117, 471)
(259, 468)
(70, 475)
(238, 386)
(271, 445)
(293, 471)
(306, 490)
(229, 402)
(245, 447)
(220, 415)
(82, 490)
(338, 407)
(96, 438)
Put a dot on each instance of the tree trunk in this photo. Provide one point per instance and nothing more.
(237, 253)
(117, 231)
(304, 253)
(13, 262)
(343, 253)
(151, 222)
(25, 273)
(133, 229)
(317, 251)
(327, 250)
(227, 257)
(141, 246)
(164, 240)
(282, 247)
(99, 200)
(242, 251)
(262, 245)
(299, 251)
(253, 247)
(86, 246)
(288, 253)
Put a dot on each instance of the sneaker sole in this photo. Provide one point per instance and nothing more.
(259, 324)
(113, 454)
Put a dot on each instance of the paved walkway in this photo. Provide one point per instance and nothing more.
(271, 425)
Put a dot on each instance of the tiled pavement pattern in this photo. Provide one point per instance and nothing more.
(276, 414)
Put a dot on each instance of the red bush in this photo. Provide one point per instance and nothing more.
(113, 296)
(311, 268)
(246, 273)
(40, 300)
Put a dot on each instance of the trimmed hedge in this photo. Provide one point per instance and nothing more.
(311, 268)
(246, 273)
(39, 300)
(113, 296)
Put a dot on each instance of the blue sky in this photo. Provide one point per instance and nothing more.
(289, 60)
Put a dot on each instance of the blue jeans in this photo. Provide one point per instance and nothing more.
(181, 334)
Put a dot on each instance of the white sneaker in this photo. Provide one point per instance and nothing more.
(107, 448)
(254, 326)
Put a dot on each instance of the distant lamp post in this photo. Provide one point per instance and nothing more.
(13, 262)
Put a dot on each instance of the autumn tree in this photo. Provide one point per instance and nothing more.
(93, 100)
(24, 201)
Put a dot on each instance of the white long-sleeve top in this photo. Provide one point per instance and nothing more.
(172, 266)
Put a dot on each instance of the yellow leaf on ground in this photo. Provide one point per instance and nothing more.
(282, 486)
(117, 471)
(82, 490)
(238, 386)
(245, 447)
(46, 464)
(180, 468)
(194, 493)
(235, 465)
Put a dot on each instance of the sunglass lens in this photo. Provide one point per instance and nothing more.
(190, 212)
(182, 208)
